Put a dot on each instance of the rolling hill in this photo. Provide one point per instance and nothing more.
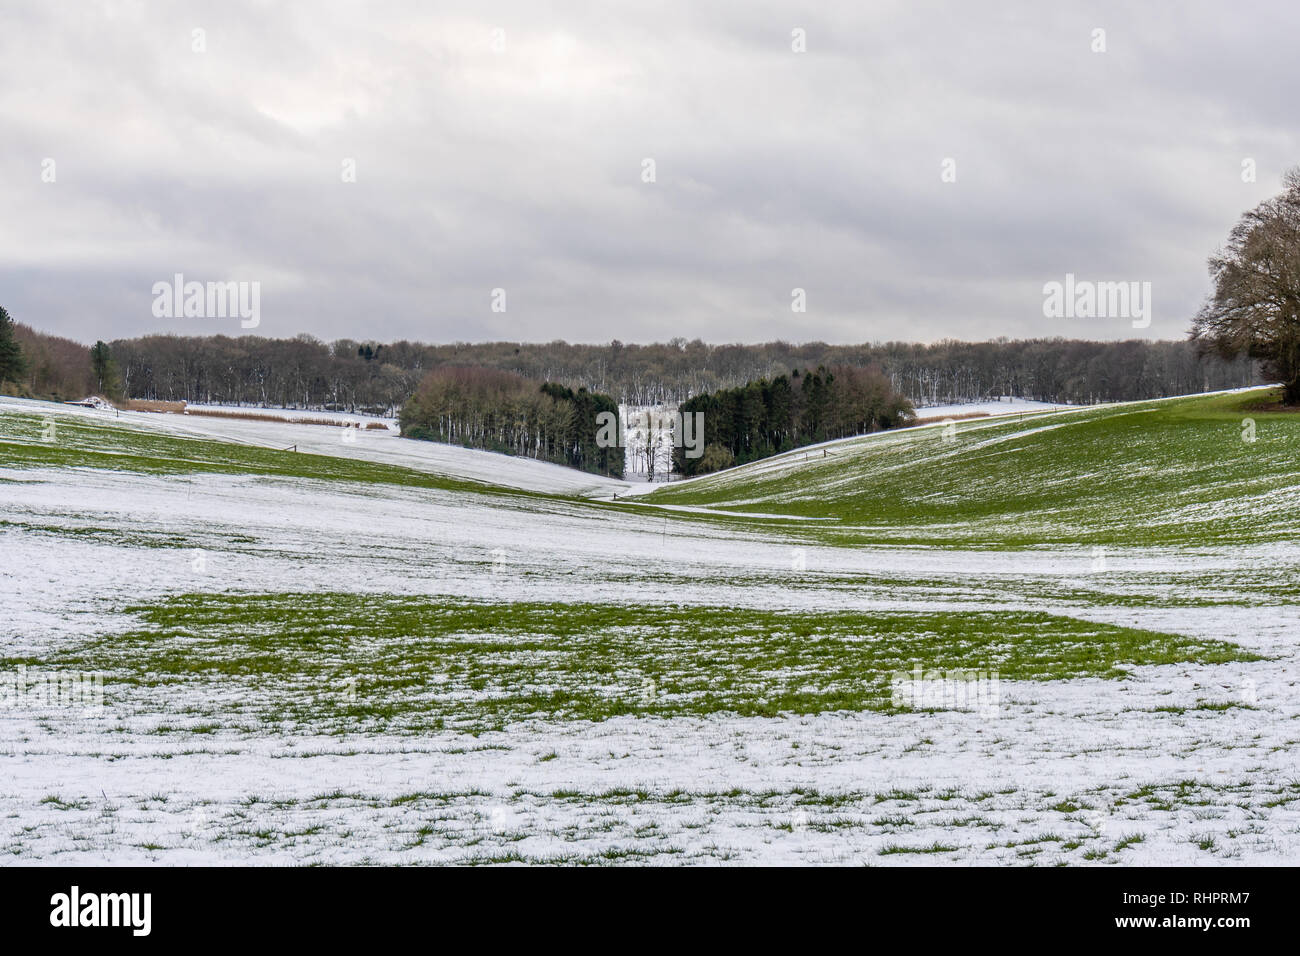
(1067, 637)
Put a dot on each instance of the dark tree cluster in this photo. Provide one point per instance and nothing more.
(13, 363)
(301, 372)
(505, 412)
(37, 365)
(768, 416)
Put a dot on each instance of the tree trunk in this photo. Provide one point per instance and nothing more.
(1291, 391)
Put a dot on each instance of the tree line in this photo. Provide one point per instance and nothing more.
(302, 372)
(376, 378)
(768, 416)
(505, 412)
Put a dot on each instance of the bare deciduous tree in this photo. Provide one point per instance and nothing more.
(1255, 307)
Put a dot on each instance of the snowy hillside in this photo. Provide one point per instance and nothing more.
(365, 444)
(370, 654)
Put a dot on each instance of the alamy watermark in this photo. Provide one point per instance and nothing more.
(1085, 299)
(130, 910)
(968, 690)
(179, 299)
(26, 690)
(687, 429)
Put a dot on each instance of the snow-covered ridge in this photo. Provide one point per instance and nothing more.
(293, 415)
(384, 446)
(1007, 406)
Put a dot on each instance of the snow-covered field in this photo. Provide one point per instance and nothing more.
(1005, 406)
(290, 414)
(1185, 762)
(385, 446)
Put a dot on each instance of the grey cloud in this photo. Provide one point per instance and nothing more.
(521, 170)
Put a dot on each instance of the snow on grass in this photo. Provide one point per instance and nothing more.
(293, 415)
(343, 663)
(280, 635)
(1005, 406)
(362, 445)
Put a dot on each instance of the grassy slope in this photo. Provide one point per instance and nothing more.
(1174, 472)
(1171, 473)
(343, 662)
(112, 446)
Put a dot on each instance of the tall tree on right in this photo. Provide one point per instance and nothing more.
(101, 362)
(12, 361)
(1255, 306)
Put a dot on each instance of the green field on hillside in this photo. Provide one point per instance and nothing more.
(1176, 472)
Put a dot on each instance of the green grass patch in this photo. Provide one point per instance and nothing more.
(338, 662)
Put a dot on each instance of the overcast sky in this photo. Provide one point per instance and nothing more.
(502, 146)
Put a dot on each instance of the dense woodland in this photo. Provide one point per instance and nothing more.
(357, 376)
(505, 412)
(766, 417)
(51, 366)
(368, 376)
